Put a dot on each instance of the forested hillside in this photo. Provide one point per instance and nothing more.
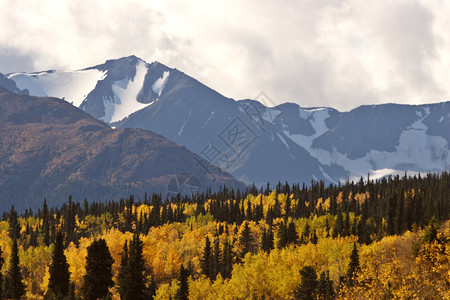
(372, 239)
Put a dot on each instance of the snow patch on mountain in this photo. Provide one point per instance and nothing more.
(283, 140)
(327, 176)
(184, 124)
(126, 92)
(72, 86)
(415, 148)
(209, 119)
(160, 83)
(317, 118)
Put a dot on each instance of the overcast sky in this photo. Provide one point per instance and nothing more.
(341, 53)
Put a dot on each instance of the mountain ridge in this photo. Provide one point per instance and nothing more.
(51, 149)
(306, 143)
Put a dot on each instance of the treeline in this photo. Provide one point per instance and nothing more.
(215, 236)
(401, 201)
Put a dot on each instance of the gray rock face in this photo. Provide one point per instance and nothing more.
(10, 85)
(260, 144)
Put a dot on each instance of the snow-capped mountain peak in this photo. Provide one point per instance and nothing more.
(110, 91)
(254, 142)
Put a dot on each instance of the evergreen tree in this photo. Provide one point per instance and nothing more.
(71, 295)
(291, 233)
(217, 261)
(206, 258)
(391, 216)
(325, 289)
(69, 222)
(308, 286)
(264, 240)
(245, 239)
(270, 239)
(123, 276)
(131, 273)
(98, 278)
(227, 263)
(14, 287)
(136, 266)
(151, 289)
(183, 290)
(267, 243)
(14, 227)
(282, 236)
(314, 238)
(305, 234)
(45, 223)
(346, 229)
(353, 265)
(59, 269)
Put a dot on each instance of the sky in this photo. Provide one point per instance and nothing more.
(338, 53)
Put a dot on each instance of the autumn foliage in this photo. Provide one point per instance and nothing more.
(349, 242)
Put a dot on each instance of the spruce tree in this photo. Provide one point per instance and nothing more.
(227, 263)
(270, 239)
(151, 289)
(314, 238)
(325, 289)
(206, 258)
(308, 286)
(282, 236)
(14, 227)
(245, 239)
(306, 234)
(183, 290)
(263, 240)
(131, 273)
(291, 233)
(14, 287)
(353, 265)
(327, 228)
(98, 278)
(59, 281)
(123, 276)
(46, 223)
(217, 259)
(137, 268)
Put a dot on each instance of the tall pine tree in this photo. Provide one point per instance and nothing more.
(353, 265)
(308, 287)
(98, 278)
(183, 290)
(245, 239)
(14, 289)
(59, 281)
(131, 274)
(14, 227)
(206, 260)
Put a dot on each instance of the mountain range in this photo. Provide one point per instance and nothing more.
(49, 148)
(253, 139)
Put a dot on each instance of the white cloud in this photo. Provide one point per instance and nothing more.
(315, 53)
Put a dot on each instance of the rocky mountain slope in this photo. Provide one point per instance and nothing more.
(49, 148)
